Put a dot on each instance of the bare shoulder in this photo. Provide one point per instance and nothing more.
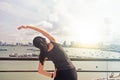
(51, 46)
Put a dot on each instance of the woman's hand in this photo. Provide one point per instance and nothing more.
(20, 27)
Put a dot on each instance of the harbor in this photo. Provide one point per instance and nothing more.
(95, 64)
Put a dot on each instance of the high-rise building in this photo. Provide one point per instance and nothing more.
(0, 43)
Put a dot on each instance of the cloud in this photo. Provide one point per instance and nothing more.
(63, 17)
(44, 24)
(18, 11)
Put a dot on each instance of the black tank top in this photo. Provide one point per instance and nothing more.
(59, 57)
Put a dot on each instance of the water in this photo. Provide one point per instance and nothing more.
(83, 65)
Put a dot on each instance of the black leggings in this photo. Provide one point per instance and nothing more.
(69, 74)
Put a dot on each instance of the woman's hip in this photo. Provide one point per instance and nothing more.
(69, 74)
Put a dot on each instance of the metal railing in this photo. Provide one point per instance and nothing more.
(73, 59)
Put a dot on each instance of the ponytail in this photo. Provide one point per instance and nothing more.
(41, 43)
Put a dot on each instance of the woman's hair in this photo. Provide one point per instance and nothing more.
(41, 43)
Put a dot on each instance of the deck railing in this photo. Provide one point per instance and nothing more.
(73, 59)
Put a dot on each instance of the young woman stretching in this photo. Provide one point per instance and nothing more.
(64, 69)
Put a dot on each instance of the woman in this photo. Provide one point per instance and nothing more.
(64, 69)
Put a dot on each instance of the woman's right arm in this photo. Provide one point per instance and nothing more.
(45, 33)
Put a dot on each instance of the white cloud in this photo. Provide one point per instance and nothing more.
(61, 17)
(18, 11)
(44, 24)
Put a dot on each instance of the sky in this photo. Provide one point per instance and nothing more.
(85, 21)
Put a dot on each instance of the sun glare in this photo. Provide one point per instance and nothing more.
(87, 36)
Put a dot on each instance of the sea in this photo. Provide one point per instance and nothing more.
(91, 66)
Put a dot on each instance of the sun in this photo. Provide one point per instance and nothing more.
(87, 36)
(85, 32)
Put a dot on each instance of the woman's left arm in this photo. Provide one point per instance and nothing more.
(43, 72)
(54, 75)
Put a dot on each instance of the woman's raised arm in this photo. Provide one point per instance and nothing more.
(45, 33)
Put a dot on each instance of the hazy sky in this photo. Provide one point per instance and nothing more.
(86, 21)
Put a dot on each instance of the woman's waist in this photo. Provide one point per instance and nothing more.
(65, 67)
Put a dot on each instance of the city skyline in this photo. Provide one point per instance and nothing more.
(72, 44)
(86, 21)
(64, 43)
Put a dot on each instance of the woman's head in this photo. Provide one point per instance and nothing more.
(41, 43)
